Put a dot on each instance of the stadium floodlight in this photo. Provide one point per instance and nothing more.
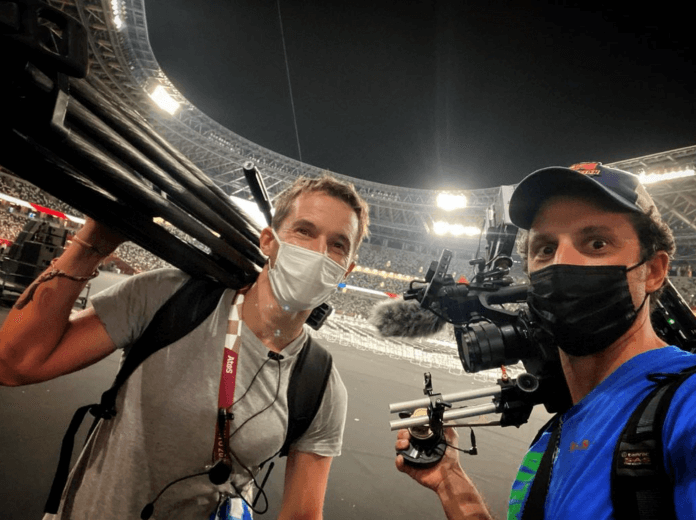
(651, 178)
(456, 230)
(440, 227)
(450, 201)
(166, 102)
(117, 8)
(445, 228)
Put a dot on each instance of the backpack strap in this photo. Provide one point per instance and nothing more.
(536, 499)
(185, 310)
(640, 486)
(306, 387)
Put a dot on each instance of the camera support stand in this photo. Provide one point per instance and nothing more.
(426, 418)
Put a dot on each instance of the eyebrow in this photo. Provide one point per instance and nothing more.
(307, 223)
(588, 230)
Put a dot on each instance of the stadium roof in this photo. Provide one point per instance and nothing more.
(122, 59)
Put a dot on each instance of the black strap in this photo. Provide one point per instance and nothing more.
(200, 297)
(641, 489)
(534, 505)
(306, 387)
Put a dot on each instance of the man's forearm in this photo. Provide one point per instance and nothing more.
(460, 499)
(35, 326)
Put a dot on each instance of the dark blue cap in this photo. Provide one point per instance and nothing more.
(615, 186)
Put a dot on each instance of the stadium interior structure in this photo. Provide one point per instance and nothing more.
(402, 240)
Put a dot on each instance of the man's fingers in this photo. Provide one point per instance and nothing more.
(401, 444)
(400, 464)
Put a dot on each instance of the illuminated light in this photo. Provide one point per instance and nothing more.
(445, 228)
(651, 178)
(164, 100)
(456, 230)
(450, 202)
(369, 291)
(472, 231)
(116, 8)
(440, 227)
(16, 201)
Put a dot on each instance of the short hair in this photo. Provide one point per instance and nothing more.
(653, 235)
(344, 191)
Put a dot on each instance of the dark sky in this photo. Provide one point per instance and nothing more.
(436, 94)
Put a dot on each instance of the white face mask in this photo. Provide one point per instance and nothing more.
(302, 279)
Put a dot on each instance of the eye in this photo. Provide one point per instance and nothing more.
(598, 243)
(544, 250)
(341, 248)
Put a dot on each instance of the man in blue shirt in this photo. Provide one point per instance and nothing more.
(597, 253)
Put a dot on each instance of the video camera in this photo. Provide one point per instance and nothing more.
(490, 336)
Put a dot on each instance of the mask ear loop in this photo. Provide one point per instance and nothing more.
(647, 294)
(280, 243)
(637, 265)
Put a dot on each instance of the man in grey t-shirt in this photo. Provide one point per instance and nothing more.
(166, 426)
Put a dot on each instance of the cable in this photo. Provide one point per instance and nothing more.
(287, 70)
(276, 357)
(221, 472)
(471, 451)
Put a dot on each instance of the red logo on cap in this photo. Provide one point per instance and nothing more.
(587, 168)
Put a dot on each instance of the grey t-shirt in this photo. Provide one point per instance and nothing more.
(165, 425)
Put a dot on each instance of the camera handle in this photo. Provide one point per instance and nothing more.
(426, 418)
(427, 444)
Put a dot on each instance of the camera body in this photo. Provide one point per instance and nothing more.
(489, 336)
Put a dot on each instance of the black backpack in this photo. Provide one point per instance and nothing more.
(640, 486)
(181, 314)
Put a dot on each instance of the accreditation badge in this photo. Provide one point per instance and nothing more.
(232, 508)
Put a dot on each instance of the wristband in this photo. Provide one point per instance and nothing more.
(45, 277)
(87, 245)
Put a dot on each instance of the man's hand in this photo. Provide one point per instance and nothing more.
(430, 477)
(101, 237)
(459, 497)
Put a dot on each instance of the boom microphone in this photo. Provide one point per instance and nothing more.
(405, 319)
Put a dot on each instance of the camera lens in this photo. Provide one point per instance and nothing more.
(483, 346)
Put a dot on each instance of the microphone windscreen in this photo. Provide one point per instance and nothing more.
(405, 319)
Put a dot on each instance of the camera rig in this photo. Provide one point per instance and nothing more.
(490, 336)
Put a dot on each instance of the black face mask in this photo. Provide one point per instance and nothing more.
(584, 308)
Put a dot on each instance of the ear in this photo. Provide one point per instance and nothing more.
(658, 268)
(266, 241)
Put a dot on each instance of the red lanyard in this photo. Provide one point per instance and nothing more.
(228, 379)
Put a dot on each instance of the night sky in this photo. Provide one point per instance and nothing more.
(436, 94)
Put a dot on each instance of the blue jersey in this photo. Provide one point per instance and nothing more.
(580, 478)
